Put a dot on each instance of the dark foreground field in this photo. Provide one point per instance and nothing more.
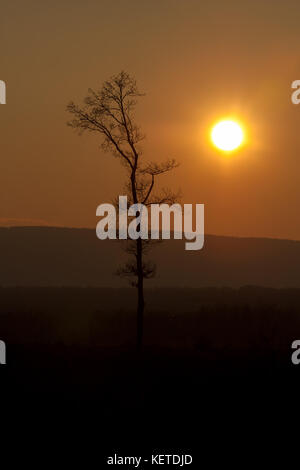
(212, 357)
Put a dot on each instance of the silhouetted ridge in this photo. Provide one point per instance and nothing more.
(50, 256)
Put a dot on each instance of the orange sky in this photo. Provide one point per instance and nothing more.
(197, 62)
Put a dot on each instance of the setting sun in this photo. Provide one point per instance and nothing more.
(227, 135)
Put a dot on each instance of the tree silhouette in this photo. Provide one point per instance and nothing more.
(110, 112)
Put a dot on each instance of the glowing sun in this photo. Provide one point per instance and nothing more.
(227, 135)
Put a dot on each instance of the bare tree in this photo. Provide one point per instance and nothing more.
(110, 112)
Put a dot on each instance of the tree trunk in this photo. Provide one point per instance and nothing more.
(140, 300)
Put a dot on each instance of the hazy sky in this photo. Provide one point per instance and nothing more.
(197, 61)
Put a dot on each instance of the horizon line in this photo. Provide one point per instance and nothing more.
(65, 227)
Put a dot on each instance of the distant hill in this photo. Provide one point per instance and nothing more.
(49, 256)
